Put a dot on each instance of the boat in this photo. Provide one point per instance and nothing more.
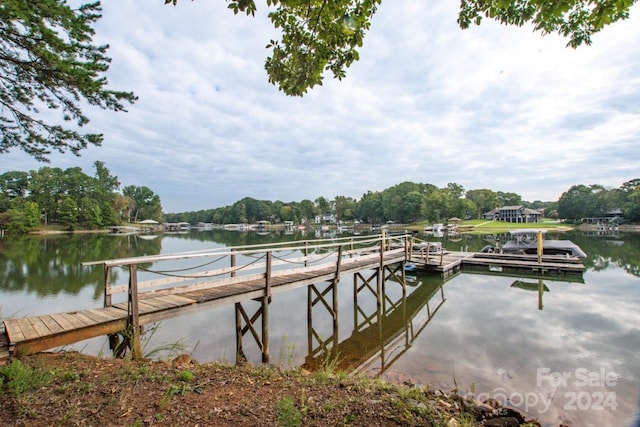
(435, 248)
(525, 242)
(410, 267)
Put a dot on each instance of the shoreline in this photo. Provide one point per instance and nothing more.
(73, 389)
(626, 228)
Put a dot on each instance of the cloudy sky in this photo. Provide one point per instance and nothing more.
(490, 107)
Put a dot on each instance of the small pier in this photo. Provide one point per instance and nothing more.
(241, 274)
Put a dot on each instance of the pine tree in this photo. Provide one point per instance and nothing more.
(48, 61)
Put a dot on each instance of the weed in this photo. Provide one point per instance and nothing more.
(467, 420)
(136, 373)
(455, 383)
(329, 406)
(286, 356)
(70, 376)
(17, 379)
(288, 414)
(331, 362)
(185, 376)
(170, 350)
(328, 370)
(415, 393)
(182, 388)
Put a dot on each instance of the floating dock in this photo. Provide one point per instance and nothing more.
(449, 263)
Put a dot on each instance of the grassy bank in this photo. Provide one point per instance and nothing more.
(484, 226)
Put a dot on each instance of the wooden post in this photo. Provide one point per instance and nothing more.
(107, 286)
(310, 319)
(134, 315)
(240, 357)
(408, 247)
(539, 241)
(265, 311)
(540, 292)
(380, 276)
(306, 253)
(233, 265)
(338, 264)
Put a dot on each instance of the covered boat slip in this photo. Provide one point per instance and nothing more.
(531, 241)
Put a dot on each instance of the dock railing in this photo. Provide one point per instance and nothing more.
(168, 274)
(425, 250)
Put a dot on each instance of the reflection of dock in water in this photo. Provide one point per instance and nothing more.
(382, 336)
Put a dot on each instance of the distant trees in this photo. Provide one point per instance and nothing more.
(406, 202)
(628, 197)
(146, 204)
(588, 201)
(73, 199)
(582, 201)
(483, 199)
(70, 198)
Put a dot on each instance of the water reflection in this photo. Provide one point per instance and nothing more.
(52, 265)
(491, 333)
(379, 336)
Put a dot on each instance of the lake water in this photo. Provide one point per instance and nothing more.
(573, 361)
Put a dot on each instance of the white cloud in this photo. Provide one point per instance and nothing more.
(489, 107)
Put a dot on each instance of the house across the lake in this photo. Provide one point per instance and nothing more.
(613, 215)
(513, 214)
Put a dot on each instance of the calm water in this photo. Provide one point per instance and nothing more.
(575, 361)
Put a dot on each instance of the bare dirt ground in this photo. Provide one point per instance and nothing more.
(70, 389)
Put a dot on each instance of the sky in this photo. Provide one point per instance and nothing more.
(493, 106)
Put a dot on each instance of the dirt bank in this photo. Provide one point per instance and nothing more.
(73, 389)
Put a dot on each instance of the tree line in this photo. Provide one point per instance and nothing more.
(594, 201)
(410, 202)
(407, 202)
(72, 199)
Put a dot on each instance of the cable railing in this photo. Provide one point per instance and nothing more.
(168, 274)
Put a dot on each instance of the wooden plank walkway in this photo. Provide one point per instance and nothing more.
(33, 334)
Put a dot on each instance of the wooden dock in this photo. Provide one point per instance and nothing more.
(156, 300)
(245, 273)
